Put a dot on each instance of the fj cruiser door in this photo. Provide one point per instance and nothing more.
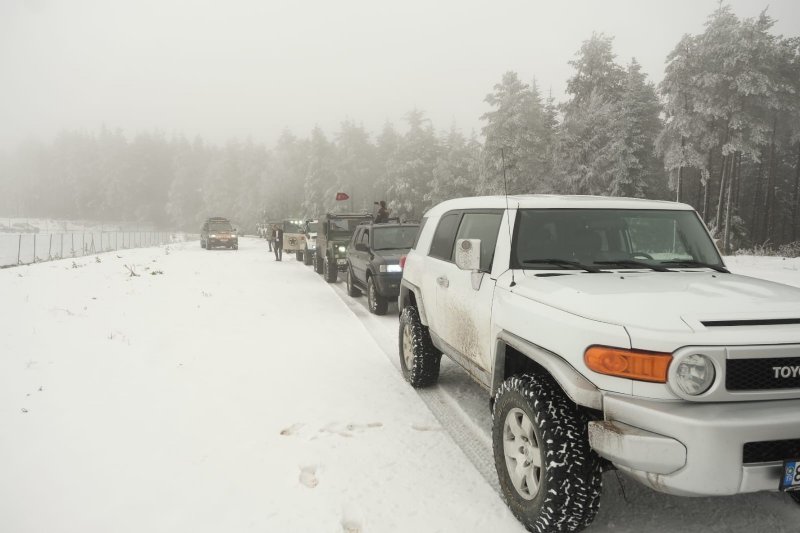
(464, 300)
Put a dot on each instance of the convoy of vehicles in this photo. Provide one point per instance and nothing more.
(335, 232)
(373, 262)
(218, 232)
(607, 332)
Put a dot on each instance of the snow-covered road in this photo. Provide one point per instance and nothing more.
(234, 393)
(228, 393)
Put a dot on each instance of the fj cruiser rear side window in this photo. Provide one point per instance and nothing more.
(445, 237)
(483, 226)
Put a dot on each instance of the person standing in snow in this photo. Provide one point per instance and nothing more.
(277, 236)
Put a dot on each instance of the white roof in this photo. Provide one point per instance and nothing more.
(552, 201)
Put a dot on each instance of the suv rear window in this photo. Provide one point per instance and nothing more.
(445, 237)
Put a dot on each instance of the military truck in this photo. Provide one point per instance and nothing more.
(294, 238)
(334, 233)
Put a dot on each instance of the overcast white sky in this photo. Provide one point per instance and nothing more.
(239, 68)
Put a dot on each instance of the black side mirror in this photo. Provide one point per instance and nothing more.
(361, 247)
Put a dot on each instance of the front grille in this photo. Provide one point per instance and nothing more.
(763, 322)
(760, 374)
(771, 450)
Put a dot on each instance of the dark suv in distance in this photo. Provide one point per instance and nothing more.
(218, 232)
(374, 261)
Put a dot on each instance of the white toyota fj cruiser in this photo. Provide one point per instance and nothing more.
(610, 335)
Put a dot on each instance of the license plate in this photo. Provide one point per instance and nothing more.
(791, 475)
(341, 261)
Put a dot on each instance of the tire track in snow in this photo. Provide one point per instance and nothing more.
(466, 433)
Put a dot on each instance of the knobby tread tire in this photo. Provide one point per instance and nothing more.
(569, 492)
(331, 272)
(424, 372)
(307, 258)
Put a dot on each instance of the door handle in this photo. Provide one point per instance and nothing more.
(443, 281)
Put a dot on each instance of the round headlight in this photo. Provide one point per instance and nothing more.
(342, 248)
(695, 374)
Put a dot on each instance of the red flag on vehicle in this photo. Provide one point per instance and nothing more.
(340, 196)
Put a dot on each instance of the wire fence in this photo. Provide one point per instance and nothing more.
(27, 248)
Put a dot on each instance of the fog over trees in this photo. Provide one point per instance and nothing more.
(720, 132)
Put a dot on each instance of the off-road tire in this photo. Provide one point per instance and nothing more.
(308, 258)
(352, 290)
(331, 272)
(235, 246)
(319, 266)
(795, 495)
(299, 255)
(570, 483)
(202, 243)
(377, 304)
(422, 369)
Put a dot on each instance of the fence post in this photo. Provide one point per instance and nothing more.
(83, 243)
(50, 249)
(34, 247)
(72, 246)
(19, 248)
(62, 247)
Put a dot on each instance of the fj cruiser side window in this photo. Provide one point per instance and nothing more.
(419, 232)
(445, 237)
(365, 237)
(483, 226)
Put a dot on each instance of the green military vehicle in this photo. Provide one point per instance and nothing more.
(334, 233)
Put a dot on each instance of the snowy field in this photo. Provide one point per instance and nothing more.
(223, 391)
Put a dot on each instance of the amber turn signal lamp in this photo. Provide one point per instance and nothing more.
(631, 364)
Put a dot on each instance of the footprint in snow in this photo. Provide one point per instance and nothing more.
(351, 526)
(291, 430)
(348, 429)
(308, 476)
(421, 427)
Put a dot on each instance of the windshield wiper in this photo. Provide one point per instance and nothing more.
(634, 263)
(698, 264)
(565, 263)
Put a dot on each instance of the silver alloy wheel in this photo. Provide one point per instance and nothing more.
(522, 452)
(408, 348)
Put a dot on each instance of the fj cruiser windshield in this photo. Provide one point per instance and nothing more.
(551, 239)
(396, 238)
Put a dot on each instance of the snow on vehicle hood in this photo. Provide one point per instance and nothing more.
(678, 301)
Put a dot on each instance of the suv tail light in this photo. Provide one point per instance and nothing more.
(403, 262)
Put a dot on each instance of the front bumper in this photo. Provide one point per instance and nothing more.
(222, 241)
(388, 284)
(693, 449)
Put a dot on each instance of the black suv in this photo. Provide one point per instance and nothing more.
(373, 261)
(218, 231)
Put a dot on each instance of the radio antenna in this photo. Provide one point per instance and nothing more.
(508, 213)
